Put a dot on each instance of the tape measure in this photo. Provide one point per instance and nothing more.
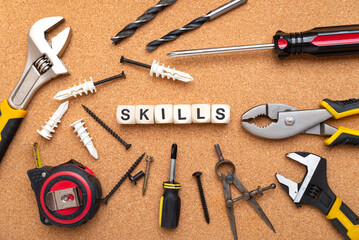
(67, 195)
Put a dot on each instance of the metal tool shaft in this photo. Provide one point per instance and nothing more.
(225, 8)
(173, 162)
(204, 51)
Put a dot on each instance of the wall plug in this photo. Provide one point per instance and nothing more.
(50, 126)
(160, 70)
(85, 87)
(84, 136)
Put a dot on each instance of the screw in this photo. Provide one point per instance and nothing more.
(123, 179)
(110, 78)
(136, 177)
(123, 59)
(255, 192)
(289, 121)
(149, 159)
(106, 127)
(204, 205)
(43, 174)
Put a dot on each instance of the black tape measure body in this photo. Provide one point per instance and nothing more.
(67, 195)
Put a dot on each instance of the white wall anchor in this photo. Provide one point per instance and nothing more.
(160, 70)
(85, 137)
(169, 73)
(85, 87)
(50, 125)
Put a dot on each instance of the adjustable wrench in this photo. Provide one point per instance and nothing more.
(42, 64)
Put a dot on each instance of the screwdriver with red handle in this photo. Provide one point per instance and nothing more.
(319, 42)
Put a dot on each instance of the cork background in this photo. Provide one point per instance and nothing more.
(242, 80)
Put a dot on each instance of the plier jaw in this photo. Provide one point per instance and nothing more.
(313, 189)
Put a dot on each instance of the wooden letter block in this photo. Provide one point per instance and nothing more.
(164, 113)
(201, 113)
(182, 114)
(221, 113)
(126, 114)
(144, 114)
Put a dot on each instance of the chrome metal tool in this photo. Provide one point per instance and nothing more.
(314, 190)
(229, 179)
(290, 121)
(43, 63)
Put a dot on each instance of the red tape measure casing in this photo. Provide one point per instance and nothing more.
(67, 195)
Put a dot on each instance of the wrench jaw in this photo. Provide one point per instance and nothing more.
(275, 130)
(43, 62)
(314, 189)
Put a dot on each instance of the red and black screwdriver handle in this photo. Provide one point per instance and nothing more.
(319, 42)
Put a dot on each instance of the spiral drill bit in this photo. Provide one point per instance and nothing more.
(147, 16)
(195, 24)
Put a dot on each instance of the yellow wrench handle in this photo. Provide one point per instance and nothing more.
(344, 220)
(10, 120)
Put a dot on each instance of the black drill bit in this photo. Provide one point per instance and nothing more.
(106, 127)
(195, 24)
(150, 14)
(123, 179)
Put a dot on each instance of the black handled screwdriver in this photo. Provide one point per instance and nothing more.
(319, 42)
(170, 203)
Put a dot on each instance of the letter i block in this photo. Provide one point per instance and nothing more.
(201, 113)
(164, 113)
(182, 114)
(126, 114)
(144, 114)
(221, 113)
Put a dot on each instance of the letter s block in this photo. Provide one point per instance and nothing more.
(144, 114)
(221, 113)
(126, 114)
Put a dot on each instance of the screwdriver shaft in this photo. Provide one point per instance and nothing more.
(243, 48)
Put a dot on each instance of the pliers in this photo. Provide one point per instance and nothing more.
(291, 121)
(314, 190)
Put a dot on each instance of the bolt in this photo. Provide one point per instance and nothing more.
(289, 121)
(43, 174)
(136, 177)
(123, 59)
(106, 127)
(149, 159)
(258, 191)
(204, 205)
(134, 165)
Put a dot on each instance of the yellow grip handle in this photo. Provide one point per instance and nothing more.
(343, 136)
(10, 120)
(344, 220)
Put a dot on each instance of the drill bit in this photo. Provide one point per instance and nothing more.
(147, 16)
(195, 24)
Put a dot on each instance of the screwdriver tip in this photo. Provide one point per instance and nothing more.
(174, 151)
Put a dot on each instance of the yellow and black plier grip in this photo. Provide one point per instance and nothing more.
(341, 109)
